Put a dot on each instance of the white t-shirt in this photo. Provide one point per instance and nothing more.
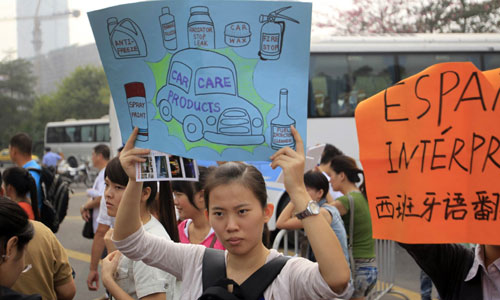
(140, 280)
(103, 217)
(99, 187)
(299, 278)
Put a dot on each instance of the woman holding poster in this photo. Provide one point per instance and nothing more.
(235, 197)
(353, 206)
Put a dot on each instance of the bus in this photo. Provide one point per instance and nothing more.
(76, 139)
(347, 70)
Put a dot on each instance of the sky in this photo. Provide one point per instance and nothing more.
(80, 31)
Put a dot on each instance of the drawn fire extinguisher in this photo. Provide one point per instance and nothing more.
(272, 33)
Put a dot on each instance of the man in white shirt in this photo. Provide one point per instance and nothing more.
(100, 158)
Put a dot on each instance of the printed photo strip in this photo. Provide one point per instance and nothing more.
(162, 167)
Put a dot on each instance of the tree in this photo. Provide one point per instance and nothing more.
(82, 95)
(459, 16)
(16, 96)
(405, 16)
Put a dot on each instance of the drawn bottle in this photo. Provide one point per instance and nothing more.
(281, 134)
(167, 23)
(137, 107)
(271, 34)
(201, 31)
(127, 40)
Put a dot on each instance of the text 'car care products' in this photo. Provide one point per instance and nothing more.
(201, 32)
(167, 23)
(137, 107)
(281, 134)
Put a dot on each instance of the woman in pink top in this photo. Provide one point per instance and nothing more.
(189, 201)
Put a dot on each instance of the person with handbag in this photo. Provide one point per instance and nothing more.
(353, 206)
(90, 212)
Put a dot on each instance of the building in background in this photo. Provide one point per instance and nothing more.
(54, 28)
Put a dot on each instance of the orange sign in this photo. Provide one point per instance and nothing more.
(430, 149)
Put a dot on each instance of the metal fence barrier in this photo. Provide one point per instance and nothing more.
(385, 252)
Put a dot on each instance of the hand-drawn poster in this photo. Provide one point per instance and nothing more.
(212, 80)
(430, 148)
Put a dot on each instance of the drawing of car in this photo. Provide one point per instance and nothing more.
(201, 93)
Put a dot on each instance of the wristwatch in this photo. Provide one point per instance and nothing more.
(311, 209)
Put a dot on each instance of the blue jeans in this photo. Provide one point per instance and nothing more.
(425, 286)
(365, 276)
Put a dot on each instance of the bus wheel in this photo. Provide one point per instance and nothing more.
(193, 128)
(165, 110)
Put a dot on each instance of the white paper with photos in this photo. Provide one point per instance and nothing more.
(161, 166)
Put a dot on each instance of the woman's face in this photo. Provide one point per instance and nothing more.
(315, 194)
(12, 267)
(335, 179)
(237, 217)
(184, 207)
(113, 193)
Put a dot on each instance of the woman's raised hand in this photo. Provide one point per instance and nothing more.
(292, 163)
(130, 155)
(110, 264)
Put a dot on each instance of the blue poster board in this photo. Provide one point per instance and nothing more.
(212, 80)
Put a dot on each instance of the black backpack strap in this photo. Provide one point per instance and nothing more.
(213, 268)
(257, 283)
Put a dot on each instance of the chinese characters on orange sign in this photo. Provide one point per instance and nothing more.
(430, 148)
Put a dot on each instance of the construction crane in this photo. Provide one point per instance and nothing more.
(37, 20)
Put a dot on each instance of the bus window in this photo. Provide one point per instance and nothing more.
(411, 64)
(102, 133)
(491, 61)
(71, 134)
(327, 84)
(87, 133)
(338, 82)
(55, 135)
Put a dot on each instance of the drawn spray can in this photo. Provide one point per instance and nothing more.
(281, 134)
(167, 23)
(137, 107)
(201, 31)
(271, 34)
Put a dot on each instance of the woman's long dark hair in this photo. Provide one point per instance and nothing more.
(13, 222)
(22, 181)
(166, 212)
(346, 164)
(190, 188)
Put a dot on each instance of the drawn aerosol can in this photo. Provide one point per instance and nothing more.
(272, 33)
(201, 31)
(281, 134)
(138, 108)
(168, 32)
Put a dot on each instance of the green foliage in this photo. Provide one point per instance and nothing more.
(82, 95)
(16, 96)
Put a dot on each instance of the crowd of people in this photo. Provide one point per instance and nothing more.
(205, 239)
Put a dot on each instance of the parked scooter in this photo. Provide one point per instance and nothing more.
(80, 174)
